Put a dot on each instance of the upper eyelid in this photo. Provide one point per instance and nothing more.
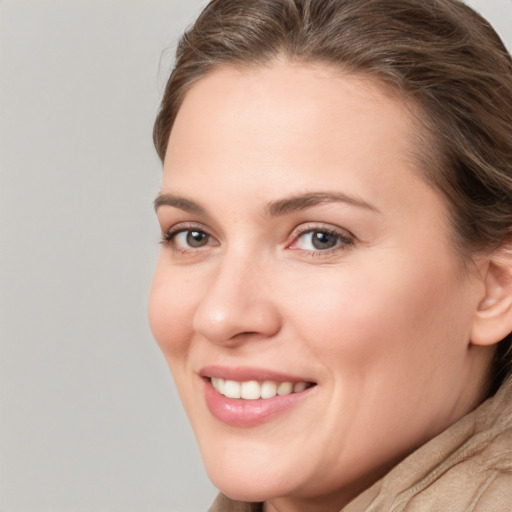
(169, 234)
(186, 226)
(301, 229)
(169, 237)
(320, 226)
(169, 223)
(346, 239)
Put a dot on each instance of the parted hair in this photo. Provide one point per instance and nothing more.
(439, 55)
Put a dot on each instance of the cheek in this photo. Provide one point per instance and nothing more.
(359, 315)
(170, 311)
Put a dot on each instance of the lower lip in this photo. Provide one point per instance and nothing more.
(238, 412)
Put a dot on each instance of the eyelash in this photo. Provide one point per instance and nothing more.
(343, 240)
(169, 237)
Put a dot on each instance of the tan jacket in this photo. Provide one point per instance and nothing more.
(467, 468)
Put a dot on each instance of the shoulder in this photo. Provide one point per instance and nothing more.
(496, 496)
(467, 468)
(224, 504)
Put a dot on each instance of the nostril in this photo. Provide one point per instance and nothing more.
(231, 311)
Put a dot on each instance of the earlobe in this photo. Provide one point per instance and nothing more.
(493, 317)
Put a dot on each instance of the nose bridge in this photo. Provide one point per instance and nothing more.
(236, 301)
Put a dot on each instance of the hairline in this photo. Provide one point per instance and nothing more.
(424, 152)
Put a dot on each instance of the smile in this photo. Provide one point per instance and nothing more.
(248, 397)
(254, 390)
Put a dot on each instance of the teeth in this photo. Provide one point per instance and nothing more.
(299, 386)
(231, 389)
(250, 390)
(268, 389)
(218, 384)
(253, 390)
(285, 388)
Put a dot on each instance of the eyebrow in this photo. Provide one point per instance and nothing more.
(274, 208)
(178, 202)
(310, 199)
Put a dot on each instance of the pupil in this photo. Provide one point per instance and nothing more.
(323, 240)
(196, 238)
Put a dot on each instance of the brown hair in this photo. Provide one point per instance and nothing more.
(438, 53)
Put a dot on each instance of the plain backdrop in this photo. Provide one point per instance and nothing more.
(89, 417)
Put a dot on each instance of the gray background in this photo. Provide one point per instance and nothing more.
(89, 418)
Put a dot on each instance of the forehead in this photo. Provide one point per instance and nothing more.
(292, 120)
(305, 101)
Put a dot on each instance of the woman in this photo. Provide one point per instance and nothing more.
(334, 290)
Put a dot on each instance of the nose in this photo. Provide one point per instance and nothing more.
(237, 304)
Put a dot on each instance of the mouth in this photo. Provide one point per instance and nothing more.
(248, 397)
(255, 390)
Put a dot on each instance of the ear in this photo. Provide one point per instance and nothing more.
(493, 317)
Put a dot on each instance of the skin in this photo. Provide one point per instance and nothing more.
(381, 322)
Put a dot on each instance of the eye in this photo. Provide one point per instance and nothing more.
(191, 238)
(185, 239)
(321, 240)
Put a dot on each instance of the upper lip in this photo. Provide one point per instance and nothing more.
(246, 373)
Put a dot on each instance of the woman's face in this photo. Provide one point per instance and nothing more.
(303, 251)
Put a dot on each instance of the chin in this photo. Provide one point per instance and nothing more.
(245, 480)
(242, 485)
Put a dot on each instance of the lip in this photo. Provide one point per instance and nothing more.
(238, 412)
(245, 373)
